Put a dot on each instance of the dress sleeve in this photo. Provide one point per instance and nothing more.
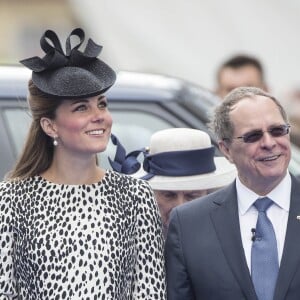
(149, 274)
(7, 282)
(178, 281)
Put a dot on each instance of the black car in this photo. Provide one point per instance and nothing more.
(140, 104)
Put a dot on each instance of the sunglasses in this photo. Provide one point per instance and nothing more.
(256, 135)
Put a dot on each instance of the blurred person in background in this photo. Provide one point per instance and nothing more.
(239, 70)
(69, 228)
(180, 166)
(291, 102)
(241, 242)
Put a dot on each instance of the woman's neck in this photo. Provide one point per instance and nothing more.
(74, 171)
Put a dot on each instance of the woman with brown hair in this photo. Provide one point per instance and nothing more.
(70, 229)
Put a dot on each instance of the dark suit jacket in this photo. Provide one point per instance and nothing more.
(205, 257)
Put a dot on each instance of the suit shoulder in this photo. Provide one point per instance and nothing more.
(206, 203)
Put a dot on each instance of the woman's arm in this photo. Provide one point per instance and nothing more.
(7, 281)
(149, 273)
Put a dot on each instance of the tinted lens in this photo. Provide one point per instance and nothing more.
(279, 130)
(252, 137)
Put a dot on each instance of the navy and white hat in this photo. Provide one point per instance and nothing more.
(73, 74)
(177, 159)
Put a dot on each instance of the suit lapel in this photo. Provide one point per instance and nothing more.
(291, 252)
(226, 222)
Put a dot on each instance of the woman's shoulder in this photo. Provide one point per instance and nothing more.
(5, 185)
(7, 188)
(129, 185)
(16, 184)
(124, 179)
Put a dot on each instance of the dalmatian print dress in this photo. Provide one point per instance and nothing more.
(98, 241)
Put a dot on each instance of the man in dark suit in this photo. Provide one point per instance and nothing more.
(225, 245)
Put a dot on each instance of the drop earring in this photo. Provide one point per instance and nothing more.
(55, 142)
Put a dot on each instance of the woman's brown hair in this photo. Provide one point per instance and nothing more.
(37, 153)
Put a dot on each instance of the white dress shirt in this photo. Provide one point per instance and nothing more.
(277, 213)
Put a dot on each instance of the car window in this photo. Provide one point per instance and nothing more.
(133, 129)
(18, 121)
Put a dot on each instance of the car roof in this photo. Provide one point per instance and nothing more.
(174, 94)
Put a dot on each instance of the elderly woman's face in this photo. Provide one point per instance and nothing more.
(83, 126)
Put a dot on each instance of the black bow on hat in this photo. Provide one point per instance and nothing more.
(74, 74)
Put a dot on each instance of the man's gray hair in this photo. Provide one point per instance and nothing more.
(221, 124)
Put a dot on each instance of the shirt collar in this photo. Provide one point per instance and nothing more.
(280, 195)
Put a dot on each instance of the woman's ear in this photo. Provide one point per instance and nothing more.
(225, 149)
(48, 127)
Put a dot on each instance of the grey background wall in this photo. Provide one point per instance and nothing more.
(189, 39)
(183, 38)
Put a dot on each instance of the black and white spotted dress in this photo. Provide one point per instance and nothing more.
(98, 241)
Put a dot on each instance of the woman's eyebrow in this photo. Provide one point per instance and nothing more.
(101, 97)
(75, 101)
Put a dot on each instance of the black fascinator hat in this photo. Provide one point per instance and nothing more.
(74, 74)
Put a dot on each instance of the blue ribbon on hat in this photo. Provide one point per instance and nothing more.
(171, 163)
(55, 57)
(122, 163)
(180, 163)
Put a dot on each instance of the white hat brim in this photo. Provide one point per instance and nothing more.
(224, 174)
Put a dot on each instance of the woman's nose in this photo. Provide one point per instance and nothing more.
(97, 114)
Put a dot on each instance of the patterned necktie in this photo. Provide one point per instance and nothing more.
(264, 256)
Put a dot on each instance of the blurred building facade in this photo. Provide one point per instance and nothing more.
(23, 22)
(186, 39)
(189, 39)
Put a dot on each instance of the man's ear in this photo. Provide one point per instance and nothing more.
(224, 148)
(48, 127)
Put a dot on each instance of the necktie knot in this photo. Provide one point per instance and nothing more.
(262, 204)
